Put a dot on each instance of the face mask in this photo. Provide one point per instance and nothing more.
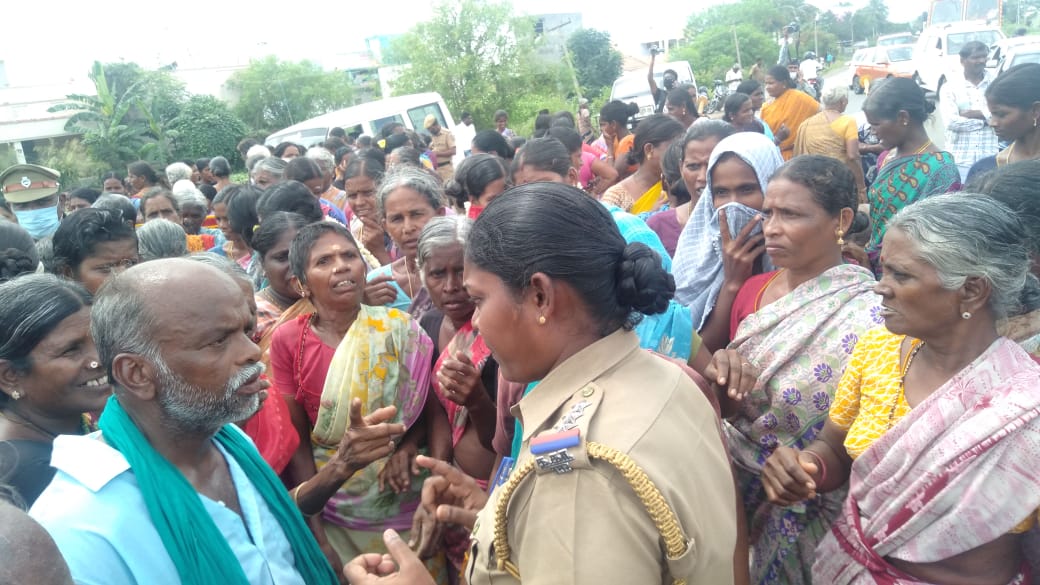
(793, 74)
(40, 223)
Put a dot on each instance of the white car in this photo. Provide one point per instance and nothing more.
(937, 53)
(1014, 51)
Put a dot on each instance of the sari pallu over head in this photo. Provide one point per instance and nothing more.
(698, 255)
(955, 473)
(384, 360)
(802, 344)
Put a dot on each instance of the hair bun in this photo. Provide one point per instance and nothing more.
(15, 262)
(860, 223)
(632, 109)
(929, 106)
(642, 282)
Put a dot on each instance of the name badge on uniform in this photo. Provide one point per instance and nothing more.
(502, 475)
(550, 450)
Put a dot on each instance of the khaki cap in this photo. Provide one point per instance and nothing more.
(25, 183)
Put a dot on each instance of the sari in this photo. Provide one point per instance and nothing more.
(902, 181)
(468, 341)
(953, 474)
(384, 359)
(792, 108)
(698, 254)
(801, 343)
(821, 136)
(619, 196)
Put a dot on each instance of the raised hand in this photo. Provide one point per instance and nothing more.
(367, 439)
(400, 567)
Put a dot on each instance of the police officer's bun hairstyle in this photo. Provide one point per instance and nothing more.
(655, 130)
(473, 175)
(890, 96)
(560, 231)
(80, 233)
(1017, 87)
(780, 74)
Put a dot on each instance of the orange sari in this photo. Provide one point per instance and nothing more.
(792, 108)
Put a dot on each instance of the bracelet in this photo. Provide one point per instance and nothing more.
(819, 465)
(295, 495)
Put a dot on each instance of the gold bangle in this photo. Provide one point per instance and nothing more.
(295, 495)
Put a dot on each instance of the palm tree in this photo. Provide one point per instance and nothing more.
(109, 134)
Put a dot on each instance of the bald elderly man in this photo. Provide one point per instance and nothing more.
(169, 490)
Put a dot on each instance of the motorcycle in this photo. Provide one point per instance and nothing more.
(718, 98)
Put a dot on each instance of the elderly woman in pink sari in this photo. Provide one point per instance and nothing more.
(936, 424)
(793, 330)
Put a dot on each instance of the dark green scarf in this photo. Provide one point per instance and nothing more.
(193, 541)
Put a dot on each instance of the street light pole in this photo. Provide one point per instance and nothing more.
(816, 35)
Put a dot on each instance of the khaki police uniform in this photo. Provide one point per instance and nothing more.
(443, 141)
(575, 518)
(25, 183)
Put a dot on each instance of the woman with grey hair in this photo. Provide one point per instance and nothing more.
(466, 388)
(161, 238)
(408, 198)
(834, 134)
(178, 171)
(936, 415)
(268, 172)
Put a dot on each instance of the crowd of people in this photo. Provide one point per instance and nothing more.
(685, 350)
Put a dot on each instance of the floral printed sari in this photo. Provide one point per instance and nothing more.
(801, 343)
(384, 360)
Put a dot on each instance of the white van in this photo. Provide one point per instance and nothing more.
(937, 53)
(368, 118)
(632, 86)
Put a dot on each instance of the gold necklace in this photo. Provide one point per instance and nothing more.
(408, 273)
(916, 346)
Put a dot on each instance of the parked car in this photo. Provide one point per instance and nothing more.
(368, 118)
(859, 57)
(896, 39)
(937, 52)
(884, 62)
(632, 86)
(1007, 53)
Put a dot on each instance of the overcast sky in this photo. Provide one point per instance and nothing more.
(203, 32)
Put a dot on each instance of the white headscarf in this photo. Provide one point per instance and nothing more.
(697, 265)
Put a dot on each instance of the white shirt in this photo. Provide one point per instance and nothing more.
(810, 68)
(733, 78)
(464, 136)
(95, 512)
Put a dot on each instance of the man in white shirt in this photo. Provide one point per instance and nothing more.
(962, 100)
(733, 77)
(464, 134)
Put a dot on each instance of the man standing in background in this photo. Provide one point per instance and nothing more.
(962, 100)
(464, 133)
(442, 145)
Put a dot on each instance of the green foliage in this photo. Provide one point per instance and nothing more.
(130, 115)
(274, 94)
(207, 127)
(713, 51)
(71, 158)
(479, 56)
(596, 61)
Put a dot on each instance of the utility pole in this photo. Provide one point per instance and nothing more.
(736, 43)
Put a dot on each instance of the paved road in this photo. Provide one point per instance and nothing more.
(934, 126)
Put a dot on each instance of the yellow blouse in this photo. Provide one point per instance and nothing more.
(870, 398)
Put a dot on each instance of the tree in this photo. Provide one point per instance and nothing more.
(73, 161)
(207, 127)
(596, 61)
(274, 94)
(713, 51)
(109, 135)
(479, 56)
